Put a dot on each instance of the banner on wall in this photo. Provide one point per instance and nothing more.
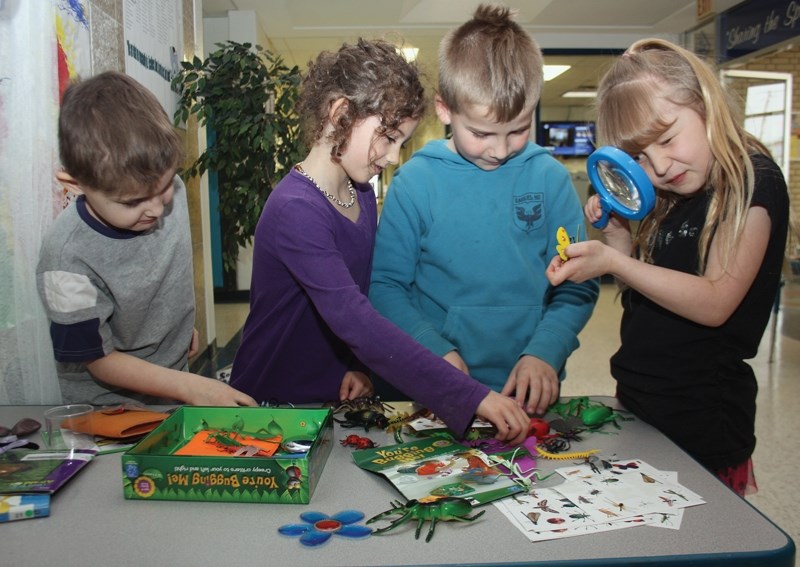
(756, 24)
(153, 44)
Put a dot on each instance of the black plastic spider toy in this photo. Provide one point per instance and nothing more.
(555, 445)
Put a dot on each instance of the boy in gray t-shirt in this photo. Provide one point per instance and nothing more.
(115, 269)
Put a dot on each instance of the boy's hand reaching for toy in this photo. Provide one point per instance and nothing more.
(212, 392)
(533, 383)
(511, 422)
(132, 373)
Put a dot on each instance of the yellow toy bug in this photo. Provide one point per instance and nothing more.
(563, 241)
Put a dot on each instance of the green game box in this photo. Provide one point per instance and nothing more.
(225, 455)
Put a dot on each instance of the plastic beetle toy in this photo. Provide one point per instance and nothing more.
(365, 418)
(591, 414)
(358, 442)
(539, 428)
(450, 508)
(597, 416)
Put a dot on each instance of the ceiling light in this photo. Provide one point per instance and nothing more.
(409, 53)
(553, 71)
(579, 94)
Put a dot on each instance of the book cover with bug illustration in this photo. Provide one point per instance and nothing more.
(27, 470)
(433, 468)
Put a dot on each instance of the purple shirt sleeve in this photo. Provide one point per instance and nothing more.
(307, 245)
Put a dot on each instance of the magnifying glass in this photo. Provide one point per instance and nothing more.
(621, 183)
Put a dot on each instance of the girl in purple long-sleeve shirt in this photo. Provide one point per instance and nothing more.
(312, 334)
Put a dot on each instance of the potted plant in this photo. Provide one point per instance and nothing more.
(246, 96)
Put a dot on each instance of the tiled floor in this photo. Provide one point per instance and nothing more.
(230, 318)
(778, 420)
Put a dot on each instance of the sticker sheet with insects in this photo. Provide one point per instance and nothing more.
(539, 510)
(603, 470)
(546, 514)
(631, 493)
(599, 468)
(601, 498)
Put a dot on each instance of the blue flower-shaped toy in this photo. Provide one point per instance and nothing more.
(318, 527)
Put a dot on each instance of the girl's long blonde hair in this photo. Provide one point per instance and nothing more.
(653, 69)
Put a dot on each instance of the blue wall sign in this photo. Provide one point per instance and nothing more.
(756, 24)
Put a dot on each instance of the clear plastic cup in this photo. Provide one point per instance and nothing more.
(69, 427)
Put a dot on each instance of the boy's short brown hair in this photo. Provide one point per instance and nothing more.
(491, 61)
(114, 136)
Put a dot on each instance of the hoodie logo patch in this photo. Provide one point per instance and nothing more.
(528, 211)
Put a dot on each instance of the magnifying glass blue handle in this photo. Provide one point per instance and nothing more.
(605, 211)
(624, 189)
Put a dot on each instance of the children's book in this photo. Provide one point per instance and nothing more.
(431, 468)
(24, 470)
(23, 506)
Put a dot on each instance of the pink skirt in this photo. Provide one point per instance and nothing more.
(739, 478)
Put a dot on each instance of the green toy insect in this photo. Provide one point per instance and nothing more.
(597, 416)
(443, 509)
(593, 415)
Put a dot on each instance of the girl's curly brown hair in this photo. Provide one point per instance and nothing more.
(374, 79)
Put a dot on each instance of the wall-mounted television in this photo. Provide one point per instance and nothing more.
(567, 138)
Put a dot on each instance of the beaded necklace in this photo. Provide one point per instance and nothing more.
(330, 196)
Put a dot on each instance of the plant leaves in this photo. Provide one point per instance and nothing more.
(230, 92)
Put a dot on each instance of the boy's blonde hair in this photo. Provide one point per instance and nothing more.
(114, 136)
(627, 117)
(491, 61)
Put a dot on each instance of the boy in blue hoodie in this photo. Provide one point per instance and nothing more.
(469, 224)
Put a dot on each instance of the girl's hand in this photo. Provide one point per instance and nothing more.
(355, 385)
(511, 422)
(592, 209)
(588, 259)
